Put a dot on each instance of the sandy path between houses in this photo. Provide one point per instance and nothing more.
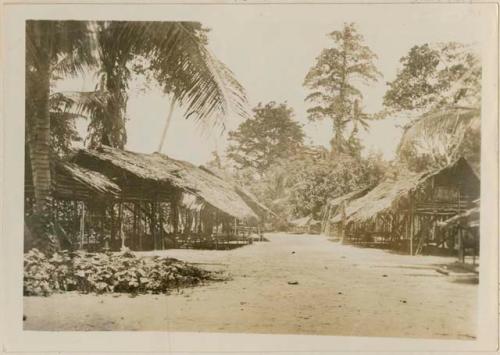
(341, 290)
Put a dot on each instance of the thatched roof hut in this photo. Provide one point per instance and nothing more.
(144, 201)
(392, 192)
(405, 211)
(133, 171)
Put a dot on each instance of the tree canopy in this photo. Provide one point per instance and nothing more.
(260, 141)
(441, 85)
(433, 76)
(334, 81)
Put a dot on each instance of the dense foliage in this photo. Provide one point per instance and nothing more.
(272, 134)
(107, 272)
(440, 84)
(434, 76)
(301, 185)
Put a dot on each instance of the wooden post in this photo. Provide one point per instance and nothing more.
(461, 254)
(134, 233)
(474, 250)
(412, 222)
(82, 226)
(342, 223)
(175, 216)
(140, 229)
(122, 235)
(411, 233)
(154, 225)
(112, 225)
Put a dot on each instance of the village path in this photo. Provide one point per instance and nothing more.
(340, 290)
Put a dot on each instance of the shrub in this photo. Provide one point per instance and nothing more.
(37, 274)
(107, 272)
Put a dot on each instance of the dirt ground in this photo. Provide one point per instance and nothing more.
(339, 290)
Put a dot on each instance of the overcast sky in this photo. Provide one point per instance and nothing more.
(271, 48)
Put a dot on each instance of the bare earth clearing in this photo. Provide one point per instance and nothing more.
(341, 290)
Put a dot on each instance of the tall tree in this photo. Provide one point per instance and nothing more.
(334, 80)
(270, 135)
(52, 48)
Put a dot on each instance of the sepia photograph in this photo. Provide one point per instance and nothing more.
(293, 170)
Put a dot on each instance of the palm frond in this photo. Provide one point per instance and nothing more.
(438, 134)
(204, 86)
(82, 103)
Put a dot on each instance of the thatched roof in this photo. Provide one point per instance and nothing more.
(72, 181)
(249, 198)
(91, 179)
(347, 197)
(383, 197)
(157, 167)
(389, 193)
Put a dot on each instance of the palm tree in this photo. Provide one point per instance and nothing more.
(52, 47)
(178, 60)
(440, 137)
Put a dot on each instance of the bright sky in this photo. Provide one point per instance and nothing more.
(270, 49)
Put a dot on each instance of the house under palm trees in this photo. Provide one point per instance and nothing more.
(177, 59)
(115, 198)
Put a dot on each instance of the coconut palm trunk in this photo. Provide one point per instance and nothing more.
(39, 133)
(52, 47)
(39, 146)
(167, 124)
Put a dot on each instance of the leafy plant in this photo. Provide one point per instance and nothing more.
(107, 272)
(37, 274)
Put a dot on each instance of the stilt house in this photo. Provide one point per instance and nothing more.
(404, 212)
(119, 198)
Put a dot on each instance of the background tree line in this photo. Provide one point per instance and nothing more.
(437, 88)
